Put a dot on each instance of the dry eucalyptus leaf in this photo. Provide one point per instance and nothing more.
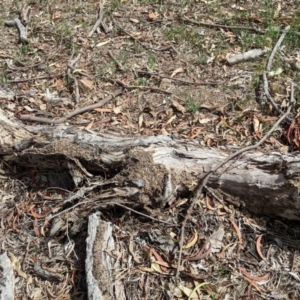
(178, 106)
(87, 83)
(134, 20)
(179, 70)
(153, 15)
(16, 265)
(28, 108)
(102, 43)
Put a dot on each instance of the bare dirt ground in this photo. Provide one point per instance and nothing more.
(170, 60)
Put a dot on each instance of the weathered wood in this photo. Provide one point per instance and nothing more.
(7, 278)
(98, 264)
(264, 182)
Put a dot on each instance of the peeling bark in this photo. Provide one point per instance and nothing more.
(264, 182)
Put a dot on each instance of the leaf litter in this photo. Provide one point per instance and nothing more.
(171, 58)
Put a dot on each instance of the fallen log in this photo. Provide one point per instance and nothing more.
(158, 167)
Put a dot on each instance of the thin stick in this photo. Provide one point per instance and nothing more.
(72, 62)
(137, 87)
(74, 113)
(268, 68)
(69, 240)
(21, 28)
(271, 58)
(177, 79)
(142, 44)
(119, 65)
(267, 94)
(256, 30)
(98, 23)
(111, 203)
(36, 78)
(141, 214)
(141, 87)
(202, 182)
(223, 26)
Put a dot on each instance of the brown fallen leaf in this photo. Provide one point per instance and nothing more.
(257, 127)
(169, 266)
(178, 106)
(34, 214)
(153, 15)
(251, 277)
(293, 133)
(90, 125)
(88, 83)
(208, 205)
(239, 234)
(158, 258)
(258, 248)
(197, 276)
(145, 269)
(203, 252)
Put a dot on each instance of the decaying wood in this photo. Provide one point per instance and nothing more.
(99, 264)
(7, 278)
(46, 274)
(21, 28)
(264, 182)
(252, 54)
(204, 180)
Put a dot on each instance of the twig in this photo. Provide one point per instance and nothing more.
(69, 240)
(26, 67)
(70, 66)
(72, 62)
(177, 79)
(202, 182)
(24, 14)
(141, 87)
(245, 56)
(270, 60)
(46, 274)
(80, 72)
(129, 34)
(74, 113)
(143, 45)
(35, 78)
(256, 30)
(137, 87)
(99, 21)
(267, 94)
(111, 203)
(21, 28)
(223, 26)
(141, 214)
(170, 47)
(77, 93)
(268, 68)
(292, 92)
(119, 65)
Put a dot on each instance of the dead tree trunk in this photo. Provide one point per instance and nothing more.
(156, 168)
